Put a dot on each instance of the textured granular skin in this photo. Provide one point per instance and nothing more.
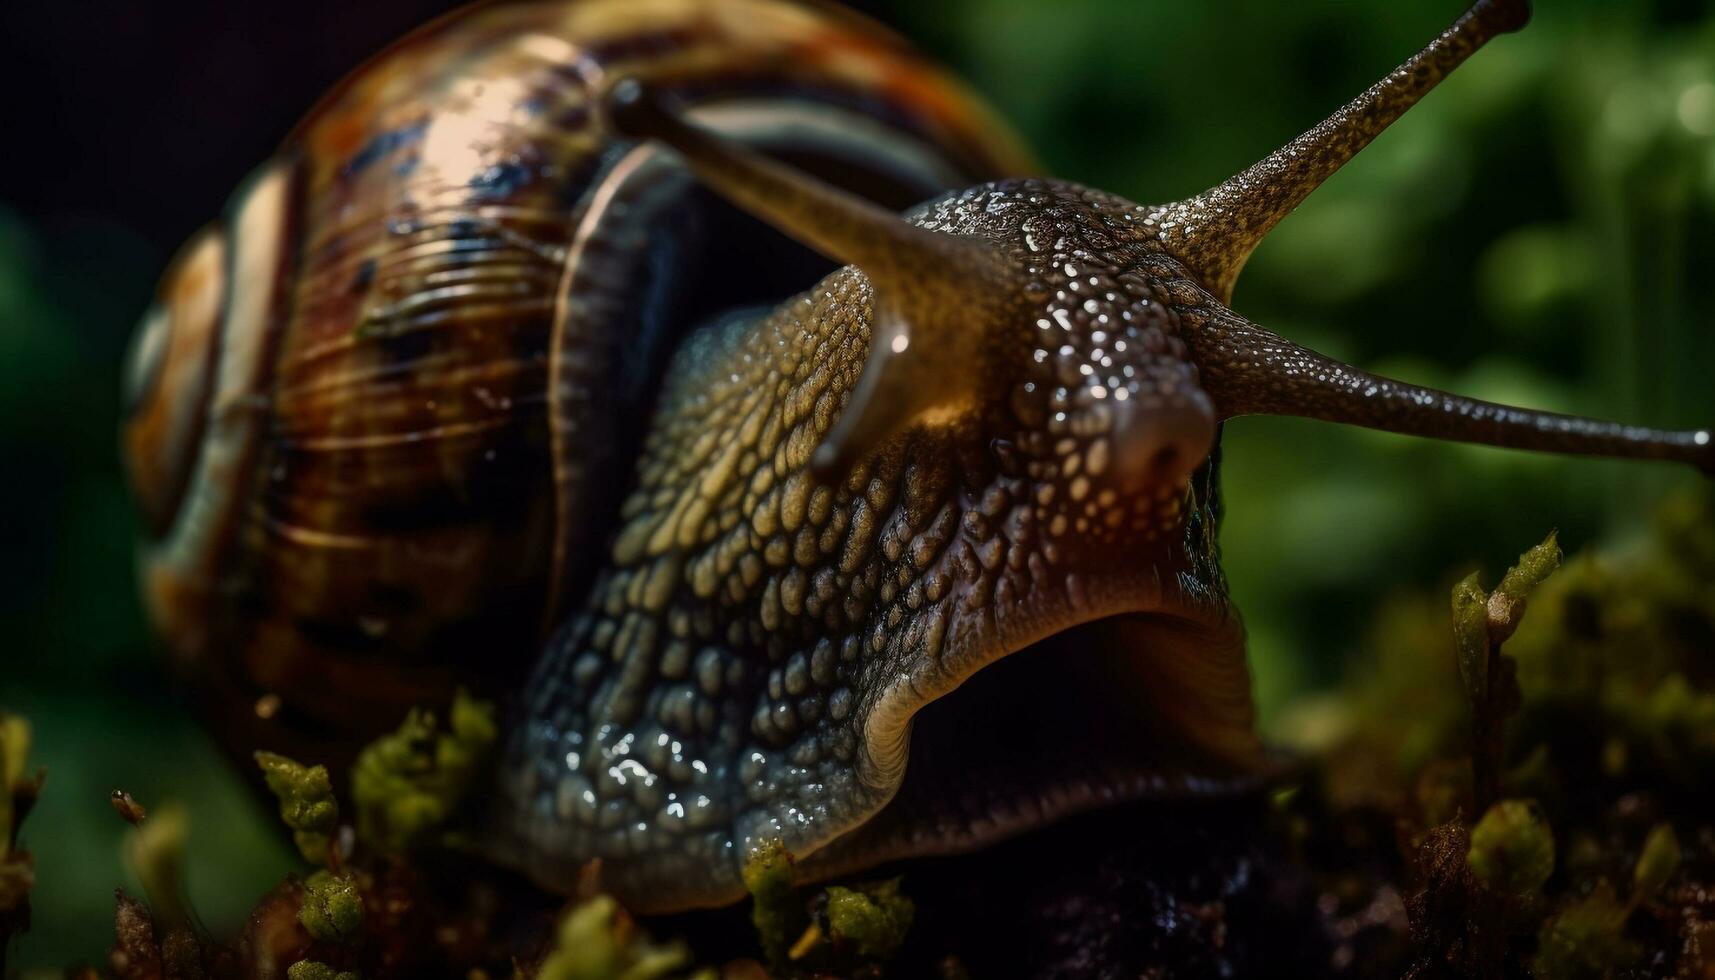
(749, 660)
(749, 664)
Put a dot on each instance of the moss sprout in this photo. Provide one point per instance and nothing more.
(14, 759)
(776, 910)
(871, 920)
(332, 909)
(597, 940)
(17, 796)
(317, 970)
(1657, 862)
(1506, 604)
(840, 930)
(1437, 867)
(155, 852)
(473, 724)
(1512, 848)
(307, 803)
(1598, 717)
(1585, 939)
(1471, 636)
(1481, 623)
(406, 786)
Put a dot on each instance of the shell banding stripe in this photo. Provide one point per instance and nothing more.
(182, 568)
(555, 54)
(170, 369)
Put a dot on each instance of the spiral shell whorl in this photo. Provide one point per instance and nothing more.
(386, 519)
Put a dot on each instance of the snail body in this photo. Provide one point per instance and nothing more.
(889, 563)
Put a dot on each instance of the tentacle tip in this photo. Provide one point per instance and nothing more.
(1510, 15)
(634, 109)
(1705, 461)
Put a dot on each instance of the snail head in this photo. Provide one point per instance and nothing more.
(1110, 318)
(991, 438)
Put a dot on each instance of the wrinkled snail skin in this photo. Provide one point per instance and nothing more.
(894, 563)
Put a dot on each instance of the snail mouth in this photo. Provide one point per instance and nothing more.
(1130, 706)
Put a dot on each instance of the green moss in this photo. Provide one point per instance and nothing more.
(870, 920)
(316, 970)
(1512, 848)
(1585, 939)
(1471, 636)
(307, 803)
(472, 722)
(332, 909)
(1656, 863)
(776, 909)
(597, 940)
(1606, 676)
(14, 757)
(155, 852)
(1620, 639)
(17, 793)
(1507, 603)
(1482, 622)
(839, 931)
(406, 786)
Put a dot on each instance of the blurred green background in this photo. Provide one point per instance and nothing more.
(1541, 230)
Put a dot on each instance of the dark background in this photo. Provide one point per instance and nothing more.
(1540, 231)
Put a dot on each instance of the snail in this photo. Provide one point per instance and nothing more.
(598, 350)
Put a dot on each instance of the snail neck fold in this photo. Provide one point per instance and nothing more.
(1216, 231)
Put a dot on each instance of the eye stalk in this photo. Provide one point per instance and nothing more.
(938, 298)
(1249, 371)
(1216, 231)
(947, 308)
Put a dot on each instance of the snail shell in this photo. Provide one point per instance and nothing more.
(358, 484)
